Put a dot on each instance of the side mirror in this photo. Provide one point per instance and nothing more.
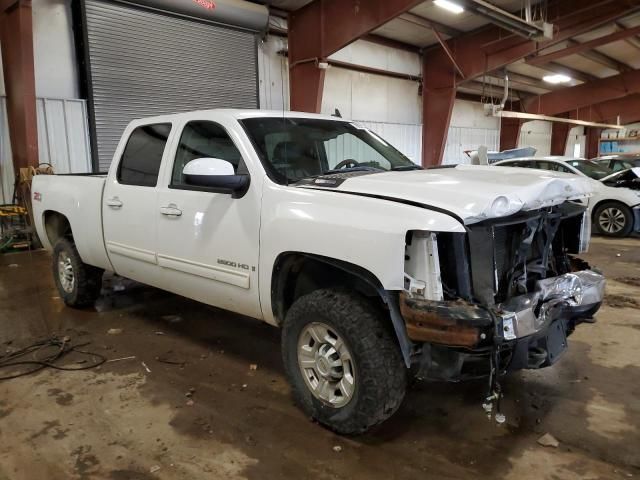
(215, 175)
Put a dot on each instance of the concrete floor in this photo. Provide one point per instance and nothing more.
(125, 421)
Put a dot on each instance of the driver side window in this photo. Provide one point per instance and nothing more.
(199, 139)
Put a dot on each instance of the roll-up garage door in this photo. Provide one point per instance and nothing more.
(144, 63)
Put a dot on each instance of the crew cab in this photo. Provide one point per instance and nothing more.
(615, 209)
(374, 268)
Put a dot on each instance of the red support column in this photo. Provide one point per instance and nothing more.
(509, 132)
(438, 96)
(323, 27)
(16, 35)
(593, 135)
(559, 134)
(306, 83)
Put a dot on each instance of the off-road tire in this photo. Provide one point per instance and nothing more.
(88, 279)
(626, 212)
(381, 377)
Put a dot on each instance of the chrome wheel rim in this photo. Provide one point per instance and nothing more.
(612, 220)
(65, 272)
(326, 364)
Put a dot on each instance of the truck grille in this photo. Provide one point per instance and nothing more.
(508, 256)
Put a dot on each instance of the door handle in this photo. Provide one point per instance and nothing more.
(114, 202)
(171, 210)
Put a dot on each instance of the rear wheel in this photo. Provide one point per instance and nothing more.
(613, 219)
(78, 283)
(344, 365)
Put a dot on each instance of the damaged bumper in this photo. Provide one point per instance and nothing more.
(532, 328)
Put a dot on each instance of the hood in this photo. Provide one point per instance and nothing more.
(473, 193)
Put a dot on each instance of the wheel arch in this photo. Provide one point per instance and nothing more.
(295, 274)
(622, 205)
(56, 225)
(606, 200)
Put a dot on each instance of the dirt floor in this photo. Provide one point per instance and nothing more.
(204, 397)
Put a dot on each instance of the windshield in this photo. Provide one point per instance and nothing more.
(295, 148)
(591, 168)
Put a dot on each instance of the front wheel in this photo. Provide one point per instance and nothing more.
(78, 283)
(613, 219)
(342, 361)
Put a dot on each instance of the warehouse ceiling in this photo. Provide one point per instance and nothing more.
(416, 29)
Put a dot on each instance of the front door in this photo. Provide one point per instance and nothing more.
(130, 204)
(208, 242)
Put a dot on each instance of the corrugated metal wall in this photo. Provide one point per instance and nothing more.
(63, 140)
(405, 137)
(537, 134)
(460, 139)
(145, 63)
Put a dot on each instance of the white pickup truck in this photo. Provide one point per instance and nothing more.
(373, 267)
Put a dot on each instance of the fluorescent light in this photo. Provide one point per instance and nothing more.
(557, 78)
(450, 6)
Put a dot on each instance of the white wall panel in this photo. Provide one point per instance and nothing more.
(536, 134)
(55, 65)
(6, 160)
(373, 55)
(273, 74)
(405, 137)
(461, 139)
(576, 142)
(63, 140)
(469, 128)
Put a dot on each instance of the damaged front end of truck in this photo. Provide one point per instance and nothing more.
(509, 292)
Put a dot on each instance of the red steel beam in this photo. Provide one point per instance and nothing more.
(438, 96)
(583, 47)
(509, 132)
(593, 135)
(568, 99)
(489, 49)
(559, 135)
(323, 27)
(627, 109)
(16, 36)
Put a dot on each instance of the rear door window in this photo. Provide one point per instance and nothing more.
(140, 161)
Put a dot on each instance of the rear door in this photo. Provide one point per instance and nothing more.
(130, 203)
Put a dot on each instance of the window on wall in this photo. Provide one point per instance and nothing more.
(203, 139)
(140, 161)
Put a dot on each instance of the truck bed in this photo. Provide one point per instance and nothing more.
(78, 197)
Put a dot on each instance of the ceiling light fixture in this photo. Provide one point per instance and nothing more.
(557, 78)
(450, 6)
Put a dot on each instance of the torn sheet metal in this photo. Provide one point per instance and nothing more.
(577, 289)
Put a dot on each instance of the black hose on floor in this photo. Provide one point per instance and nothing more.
(46, 354)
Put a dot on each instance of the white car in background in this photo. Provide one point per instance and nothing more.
(615, 211)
